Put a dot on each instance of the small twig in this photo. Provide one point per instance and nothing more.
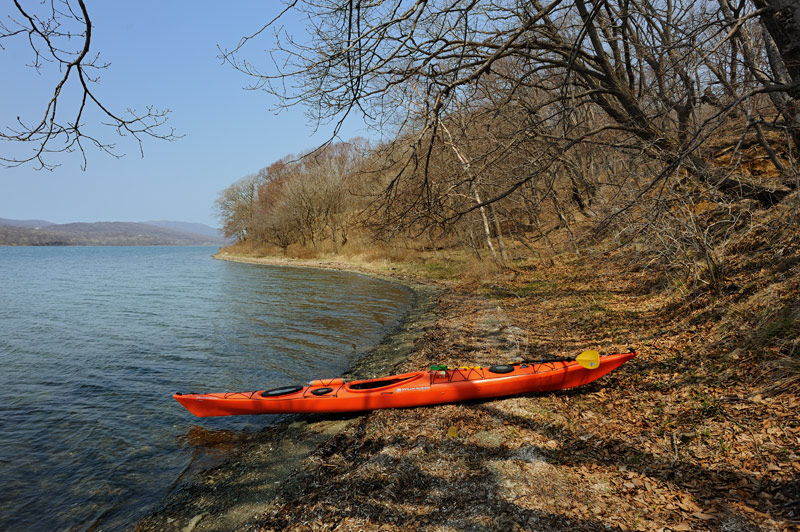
(674, 450)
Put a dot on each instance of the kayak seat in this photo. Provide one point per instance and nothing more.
(321, 391)
(501, 368)
(285, 390)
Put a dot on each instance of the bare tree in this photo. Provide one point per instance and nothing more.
(643, 64)
(58, 34)
(306, 200)
(235, 206)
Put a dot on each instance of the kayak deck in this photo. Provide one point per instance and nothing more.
(420, 388)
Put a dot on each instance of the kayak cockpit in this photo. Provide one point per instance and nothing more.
(284, 390)
(375, 384)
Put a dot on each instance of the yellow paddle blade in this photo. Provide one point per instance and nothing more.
(589, 359)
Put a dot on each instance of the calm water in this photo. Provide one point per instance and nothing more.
(93, 341)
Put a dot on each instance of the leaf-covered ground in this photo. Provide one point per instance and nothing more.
(700, 432)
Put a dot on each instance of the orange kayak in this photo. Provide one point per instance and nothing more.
(437, 386)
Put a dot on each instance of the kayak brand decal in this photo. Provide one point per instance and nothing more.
(412, 389)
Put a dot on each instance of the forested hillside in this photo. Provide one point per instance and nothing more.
(668, 129)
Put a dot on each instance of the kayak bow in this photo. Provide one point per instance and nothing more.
(437, 386)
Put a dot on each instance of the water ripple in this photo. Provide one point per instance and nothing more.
(93, 341)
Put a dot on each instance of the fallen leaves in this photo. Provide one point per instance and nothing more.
(669, 442)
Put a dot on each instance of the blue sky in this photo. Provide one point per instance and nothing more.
(162, 54)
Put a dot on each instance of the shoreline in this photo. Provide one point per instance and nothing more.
(390, 273)
(228, 495)
(662, 443)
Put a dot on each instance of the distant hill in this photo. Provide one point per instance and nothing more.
(100, 234)
(25, 223)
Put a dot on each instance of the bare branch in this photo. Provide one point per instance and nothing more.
(60, 127)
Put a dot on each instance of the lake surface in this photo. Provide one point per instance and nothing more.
(94, 341)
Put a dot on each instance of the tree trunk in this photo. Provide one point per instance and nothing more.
(499, 233)
(487, 233)
(782, 21)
